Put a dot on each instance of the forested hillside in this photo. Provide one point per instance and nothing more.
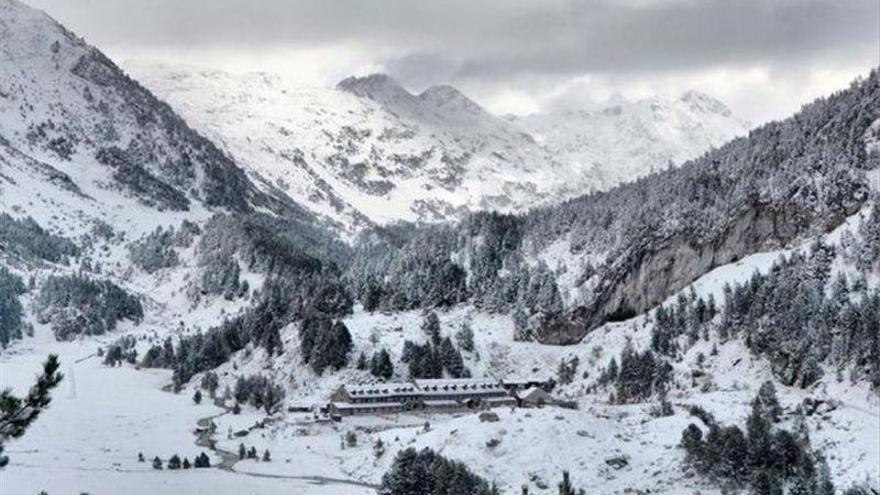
(621, 252)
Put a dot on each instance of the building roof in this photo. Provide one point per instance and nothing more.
(535, 393)
(382, 390)
(468, 386)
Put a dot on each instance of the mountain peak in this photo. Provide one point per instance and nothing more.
(450, 99)
(375, 86)
(704, 103)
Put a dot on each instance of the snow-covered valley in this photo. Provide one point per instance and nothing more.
(217, 259)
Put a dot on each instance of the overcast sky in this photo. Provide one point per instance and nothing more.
(764, 58)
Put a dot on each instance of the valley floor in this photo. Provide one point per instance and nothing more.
(101, 418)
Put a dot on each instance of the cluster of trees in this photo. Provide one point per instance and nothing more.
(765, 456)
(123, 350)
(160, 356)
(403, 268)
(76, 304)
(12, 326)
(131, 170)
(26, 239)
(690, 315)
(639, 376)
(278, 304)
(788, 316)
(380, 364)
(425, 472)
(286, 248)
(324, 343)
(260, 392)
(417, 274)
(796, 315)
(437, 354)
(865, 251)
(156, 250)
(174, 462)
(245, 453)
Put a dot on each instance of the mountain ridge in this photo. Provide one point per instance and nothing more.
(378, 153)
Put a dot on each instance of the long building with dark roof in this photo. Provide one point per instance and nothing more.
(426, 394)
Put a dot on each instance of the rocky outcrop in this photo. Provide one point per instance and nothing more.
(656, 269)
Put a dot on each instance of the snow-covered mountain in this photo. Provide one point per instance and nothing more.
(156, 259)
(81, 143)
(631, 139)
(371, 151)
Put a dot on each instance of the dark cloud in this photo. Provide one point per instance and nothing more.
(503, 42)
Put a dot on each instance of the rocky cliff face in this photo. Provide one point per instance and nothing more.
(647, 276)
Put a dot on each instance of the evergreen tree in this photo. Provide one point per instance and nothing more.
(186, 463)
(428, 473)
(431, 327)
(157, 463)
(381, 366)
(202, 461)
(19, 413)
(174, 462)
(768, 403)
(566, 487)
(210, 382)
(197, 397)
(465, 337)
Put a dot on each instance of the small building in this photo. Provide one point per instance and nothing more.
(535, 396)
(432, 395)
(519, 384)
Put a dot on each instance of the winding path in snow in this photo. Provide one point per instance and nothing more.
(229, 459)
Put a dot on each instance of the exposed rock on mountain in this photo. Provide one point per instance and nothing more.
(371, 152)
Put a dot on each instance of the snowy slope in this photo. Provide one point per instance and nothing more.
(631, 139)
(369, 150)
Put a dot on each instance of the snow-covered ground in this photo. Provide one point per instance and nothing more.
(101, 418)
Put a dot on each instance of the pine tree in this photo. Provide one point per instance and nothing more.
(17, 414)
(157, 463)
(362, 362)
(174, 462)
(465, 337)
(378, 448)
(381, 366)
(767, 401)
(266, 456)
(824, 484)
(202, 461)
(197, 397)
(758, 429)
(242, 452)
(566, 487)
(210, 382)
(431, 327)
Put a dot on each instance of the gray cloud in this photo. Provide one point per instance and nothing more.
(503, 45)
